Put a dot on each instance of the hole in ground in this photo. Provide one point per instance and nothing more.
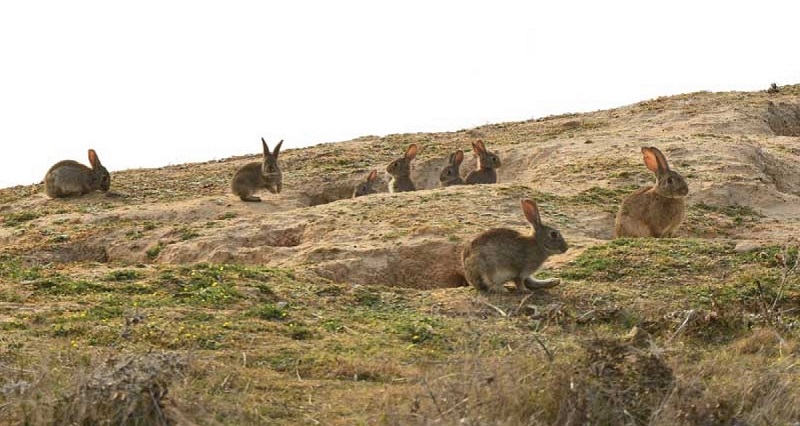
(81, 251)
(784, 174)
(328, 192)
(426, 265)
(784, 118)
(286, 237)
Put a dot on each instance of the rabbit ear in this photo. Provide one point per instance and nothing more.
(457, 158)
(372, 175)
(531, 211)
(277, 148)
(655, 160)
(478, 147)
(266, 148)
(93, 159)
(411, 152)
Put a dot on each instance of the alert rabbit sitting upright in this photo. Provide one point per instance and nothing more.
(488, 163)
(400, 169)
(256, 175)
(68, 178)
(654, 211)
(500, 255)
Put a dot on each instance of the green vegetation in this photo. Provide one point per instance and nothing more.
(14, 219)
(188, 233)
(739, 214)
(452, 351)
(123, 275)
(154, 251)
(606, 198)
(269, 311)
(65, 286)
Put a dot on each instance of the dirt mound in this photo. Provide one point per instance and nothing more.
(423, 260)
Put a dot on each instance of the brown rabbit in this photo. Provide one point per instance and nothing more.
(500, 255)
(450, 174)
(69, 178)
(400, 169)
(487, 165)
(365, 188)
(256, 175)
(654, 211)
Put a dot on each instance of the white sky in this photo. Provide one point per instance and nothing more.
(151, 83)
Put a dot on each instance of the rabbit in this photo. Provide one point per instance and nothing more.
(450, 175)
(487, 165)
(68, 178)
(365, 188)
(400, 169)
(254, 176)
(500, 255)
(654, 211)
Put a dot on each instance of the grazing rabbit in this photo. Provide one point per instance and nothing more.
(254, 176)
(500, 255)
(654, 211)
(487, 165)
(400, 169)
(450, 175)
(68, 178)
(365, 188)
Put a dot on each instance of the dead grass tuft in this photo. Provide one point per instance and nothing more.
(126, 389)
(123, 390)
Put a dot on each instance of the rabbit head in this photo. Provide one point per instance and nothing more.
(270, 166)
(486, 159)
(402, 166)
(669, 183)
(365, 188)
(548, 238)
(450, 173)
(101, 177)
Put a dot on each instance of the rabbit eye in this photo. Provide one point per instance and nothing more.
(669, 181)
(554, 235)
(449, 172)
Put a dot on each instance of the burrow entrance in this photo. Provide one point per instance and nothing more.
(784, 118)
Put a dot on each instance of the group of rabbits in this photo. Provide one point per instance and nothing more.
(400, 171)
(492, 258)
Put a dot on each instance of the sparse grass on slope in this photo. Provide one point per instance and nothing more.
(264, 344)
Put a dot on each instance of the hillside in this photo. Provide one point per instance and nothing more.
(314, 308)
